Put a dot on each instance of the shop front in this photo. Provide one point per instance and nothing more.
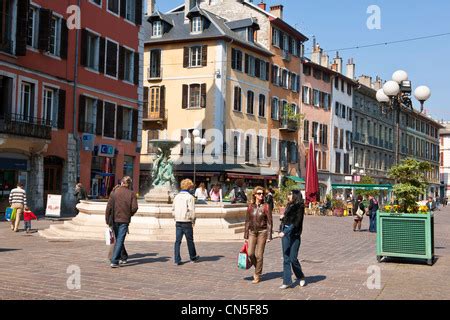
(13, 169)
(103, 169)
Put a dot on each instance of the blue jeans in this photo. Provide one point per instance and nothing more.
(373, 221)
(184, 228)
(290, 245)
(27, 225)
(120, 231)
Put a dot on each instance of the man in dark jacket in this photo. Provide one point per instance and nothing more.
(373, 208)
(122, 205)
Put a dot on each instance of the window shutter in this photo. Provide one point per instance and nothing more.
(204, 56)
(84, 47)
(123, 8)
(185, 96)
(137, 70)
(145, 103)
(135, 125)
(257, 68)
(99, 123)
(233, 59)
(138, 12)
(267, 71)
(247, 63)
(203, 95)
(81, 113)
(162, 101)
(121, 62)
(290, 45)
(22, 27)
(111, 59)
(45, 16)
(101, 60)
(273, 74)
(64, 39)
(186, 57)
(120, 110)
(61, 109)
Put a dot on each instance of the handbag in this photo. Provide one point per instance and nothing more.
(13, 215)
(110, 237)
(244, 261)
(9, 213)
(359, 212)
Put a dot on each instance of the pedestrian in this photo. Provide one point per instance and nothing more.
(446, 201)
(80, 192)
(122, 205)
(237, 195)
(216, 193)
(183, 211)
(27, 217)
(258, 231)
(290, 232)
(358, 218)
(269, 199)
(201, 194)
(18, 201)
(373, 208)
(431, 204)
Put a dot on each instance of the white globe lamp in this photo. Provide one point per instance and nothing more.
(391, 88)
(400, 76)
(381, 96)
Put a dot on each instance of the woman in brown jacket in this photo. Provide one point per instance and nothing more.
(258, 230)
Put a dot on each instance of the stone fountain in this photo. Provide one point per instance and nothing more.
(154, 220)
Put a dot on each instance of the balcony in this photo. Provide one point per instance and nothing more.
(286, 55)
(21, 125)
(288, 125)
(160, 115)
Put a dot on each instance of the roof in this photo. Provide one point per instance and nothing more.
(159, 16)
(244, 23)
(181, 32)
(287, 27)
(333, 72)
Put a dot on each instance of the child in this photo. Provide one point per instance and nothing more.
(27, 217)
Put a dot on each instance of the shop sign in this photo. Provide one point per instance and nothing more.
(106, 150)
(53, 208)
(13, 164)
(88, 142)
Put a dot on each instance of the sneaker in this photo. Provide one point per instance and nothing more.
(113, 265)
(196, 259)
(123, 261)
(284, 286)
(302, 282)
(177, 263)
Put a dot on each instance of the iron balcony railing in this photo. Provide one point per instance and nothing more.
(23, 125)
(156, 116)
(290, 125)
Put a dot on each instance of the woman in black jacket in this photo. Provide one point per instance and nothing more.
(290, 233)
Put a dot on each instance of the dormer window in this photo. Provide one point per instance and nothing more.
(157, 29)
(250, 35)
(196, 25)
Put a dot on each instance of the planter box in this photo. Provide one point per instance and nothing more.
(405, 236)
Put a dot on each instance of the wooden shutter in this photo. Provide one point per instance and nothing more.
(185, 96)
(22, 27)
(45, 16)
(203, 95)
(64, 39)
(61, 109)
(119, 134)
(84, 47)
(247, 62)
(99, 120)
(121, 62)
(123, 8)
(137, 70)
(204, 56)
(101, 59)
(81, 113)
(186, 57)
(233, 59)
(138, 12)
(257, 68)
(267, 71)
(162, 101)
(273, 74)
(145, 103)
(134, 133)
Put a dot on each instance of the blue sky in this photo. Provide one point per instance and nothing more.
(343, 23)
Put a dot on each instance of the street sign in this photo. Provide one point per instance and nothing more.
(106, 150)
(53, 208)
(88, 142)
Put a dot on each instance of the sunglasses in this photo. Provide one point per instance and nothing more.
(260, 193)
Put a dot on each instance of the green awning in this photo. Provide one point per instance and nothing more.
(297, 179)
(363, 186)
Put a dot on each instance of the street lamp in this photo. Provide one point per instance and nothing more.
(395, 95)
(198, 141)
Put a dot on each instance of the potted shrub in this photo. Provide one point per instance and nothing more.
(281, 195)
(405, 228)
(338, 207)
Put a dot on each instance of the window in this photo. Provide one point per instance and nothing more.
(343, 109)
(338, 163)
(155, 97)
(93, 48)
(336, 83)
(196, 25)
(112, 50)
(113, 6)
(55, 36)
(236, 144)
(317, 74)
(250, 35)
(250, 101)
(248, 142)
(236, 59)
(6, 25)
(274, 148)
(130, 14)
(316, 98)
(129, 66)
(326, 101)
(237, 106)
(346, 163)
(315, 127)
(324, 161)
(109, 126)
(262, 106)
(293, 152)
(97, 2)
(306, 131)
(275, 109)
(157, 29)
(50, 106)
(349, 89)
(350, 114)
(326, 77)
(307, 70)
(306, 98)
(127, 124)
(194, 96)
(251, 66)
(342, 86)
(32, 34)
(195, 56)
(276, 37)
(294, 47)
(285, 79)
(155, 63)
(88, 125)
(341, 140)
(26, 107)
(336, 137)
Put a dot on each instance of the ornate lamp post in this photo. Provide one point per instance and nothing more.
(395, 95)
(198, 141)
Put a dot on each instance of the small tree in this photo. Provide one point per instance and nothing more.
(366, 193)
(411, 179)
(291, 114)
(280, 197)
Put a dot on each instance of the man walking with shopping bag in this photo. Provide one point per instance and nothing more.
(18, 201)
(122, 205)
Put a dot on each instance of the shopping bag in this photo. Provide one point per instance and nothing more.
(244, 262)
(110, 238)
(8, 213)
(13, 215)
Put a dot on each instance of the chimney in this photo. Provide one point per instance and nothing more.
(325, 61)
(351, 69)
(365, 80)
(277, 11)
(316, 55)
(150, 7)
(338, 62)
(378, 84)
(262, 5)
(334, 67)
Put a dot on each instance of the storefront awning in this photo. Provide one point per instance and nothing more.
(363, 186)
(250, 176)
(297, 179)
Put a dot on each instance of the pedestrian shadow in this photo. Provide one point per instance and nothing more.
(145, 261)
(268, 276)
(314, 279)
(142, 255)
(8, 250)
(209, 259)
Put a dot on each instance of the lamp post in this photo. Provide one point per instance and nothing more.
(395, 95)
(198, 141)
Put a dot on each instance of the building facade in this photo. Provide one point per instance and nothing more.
(445, 159)
(69, 114)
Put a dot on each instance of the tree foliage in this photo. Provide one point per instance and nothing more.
(366, 193)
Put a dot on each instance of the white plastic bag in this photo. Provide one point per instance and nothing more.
(110, 238)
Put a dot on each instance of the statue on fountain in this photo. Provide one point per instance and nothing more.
(162, 173)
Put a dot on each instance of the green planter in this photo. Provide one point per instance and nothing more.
(402, 235)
